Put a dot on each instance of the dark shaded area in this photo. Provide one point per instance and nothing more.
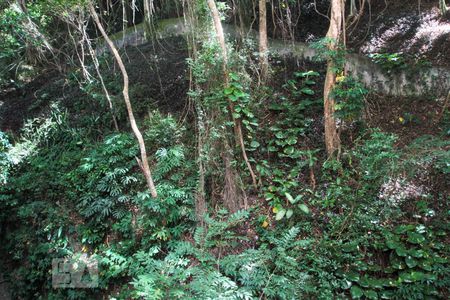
(157, 73)
(158, 79)
(20, 104)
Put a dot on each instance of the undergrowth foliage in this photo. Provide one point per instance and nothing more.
(370, 224)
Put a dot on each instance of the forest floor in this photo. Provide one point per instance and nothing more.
(4, 289)
(407, 117)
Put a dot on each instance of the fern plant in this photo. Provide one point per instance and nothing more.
(107, 179)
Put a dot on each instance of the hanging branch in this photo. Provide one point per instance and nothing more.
(143, 163)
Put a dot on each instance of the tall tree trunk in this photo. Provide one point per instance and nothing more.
(191, 18)
(263, 44)
(332, 141)
(148, 13)
(237, 124)
(143, 163)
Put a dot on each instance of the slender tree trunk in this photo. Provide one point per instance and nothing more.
(191, 19)
(352, 7)
(263, 44)
(143, 163)
(200, 199)
(332, 141)
(124, 15)
(102, 82)
(443, 7)
(237, 124)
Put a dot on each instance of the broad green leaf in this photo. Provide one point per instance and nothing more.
(415, 238)
(290, 198)
(370, 294)
(307, 91)
(386, 294)
(289, 213)
(289, 150)
(292, 140)
(228, 91)
(280, 214)
(254, 144)
(356, 292)
(410, 261)
(280, 135)
(353, 276)
(269, 196)
(411, 276)
(400, 250)
(304, 208)
(417, 253)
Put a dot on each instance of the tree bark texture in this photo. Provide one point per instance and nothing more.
(332, 141)
(263, 44)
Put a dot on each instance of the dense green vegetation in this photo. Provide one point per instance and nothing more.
(367, 221)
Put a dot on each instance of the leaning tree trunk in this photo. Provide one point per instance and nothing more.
(332, 141)
(143, 163)
(263, 44)
(35, 39)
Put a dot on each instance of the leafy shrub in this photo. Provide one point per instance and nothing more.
(404, 262)
(4, 157)
(349, 95)
(107, 178)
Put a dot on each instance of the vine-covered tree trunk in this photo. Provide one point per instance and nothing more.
(229, 197)
(263, 44)
(143, 163)
(332, 141)
(237, 123)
